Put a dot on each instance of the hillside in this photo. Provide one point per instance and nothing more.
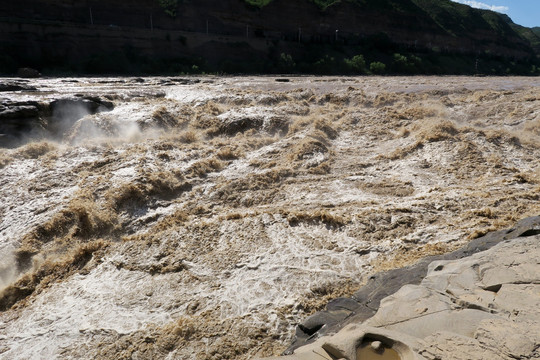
(307, 36)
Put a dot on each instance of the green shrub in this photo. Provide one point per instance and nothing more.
(326, 65)
(286, 63)
(258, 3)
(169, 6)
(356, 64)
(404, 64)
(377, 67)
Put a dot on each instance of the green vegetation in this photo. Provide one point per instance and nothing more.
(406, 64)
(286, 63)
(323, 4)
(460, 20)
(377, 67)
(453, 18)
(394, 5)
(169, 6)
(530, 35)
(258, 3)
(314, 59)
(326, 65)
(356, 64)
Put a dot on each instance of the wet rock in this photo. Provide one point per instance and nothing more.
(28, 73)
(19, 112)
(66, 112)
(337, 311)
(183, 81)
(316, 322)
(235, 125)
(526, 227)
(178, 81)
(18, 119)
(25, 120)
(13, 86)
(90, 105)
(343, 304)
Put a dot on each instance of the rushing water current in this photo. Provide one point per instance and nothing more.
(203, 218)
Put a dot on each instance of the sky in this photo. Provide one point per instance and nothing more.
(522, 12)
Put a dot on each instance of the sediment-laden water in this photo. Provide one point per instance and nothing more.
(204, 218)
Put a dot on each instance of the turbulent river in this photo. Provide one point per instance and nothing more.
(203, 218)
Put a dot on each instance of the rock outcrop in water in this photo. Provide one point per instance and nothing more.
(28, 73)
(23, 121)
(482, 306)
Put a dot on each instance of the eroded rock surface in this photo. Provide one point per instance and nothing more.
(484, 306)
(365, 302)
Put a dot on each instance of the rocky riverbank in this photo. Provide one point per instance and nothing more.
(474, 303)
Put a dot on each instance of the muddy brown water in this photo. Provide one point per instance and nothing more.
(366, 352)
(205, 221)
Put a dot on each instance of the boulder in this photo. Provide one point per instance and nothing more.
(28, 73)
(13, 86)
(19, 112)
(18, 120)
(23, 120)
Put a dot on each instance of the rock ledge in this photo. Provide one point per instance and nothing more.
(484, 306)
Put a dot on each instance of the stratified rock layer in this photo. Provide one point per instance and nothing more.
(485, 306)
(21, 121)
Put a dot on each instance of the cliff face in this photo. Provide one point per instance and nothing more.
(65, 31)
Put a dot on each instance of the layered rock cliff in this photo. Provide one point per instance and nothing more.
(83, 36)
